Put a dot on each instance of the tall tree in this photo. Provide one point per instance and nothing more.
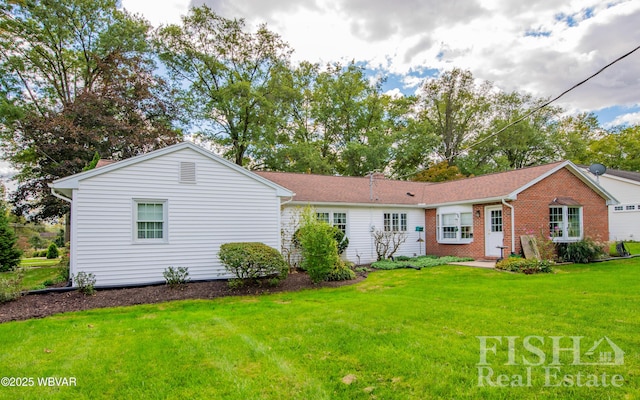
(619, 148)
(79, 78)
(454, 108)
(573, 134)
(505, 145)
(9, 252)
(226, 77)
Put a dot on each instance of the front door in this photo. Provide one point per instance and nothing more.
(493, 235)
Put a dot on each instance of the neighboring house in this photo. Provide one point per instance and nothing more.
(132, 219)
(624, 218)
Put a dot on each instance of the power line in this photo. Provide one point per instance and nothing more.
(535, 110)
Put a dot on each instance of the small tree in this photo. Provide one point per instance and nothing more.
(52, 251)
(9, 253)
(388, 242)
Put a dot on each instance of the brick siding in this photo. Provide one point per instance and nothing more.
(531, 211)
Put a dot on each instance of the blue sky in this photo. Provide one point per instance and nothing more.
(541, 47)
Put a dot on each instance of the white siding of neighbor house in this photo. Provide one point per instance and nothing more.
(623, 225)
(360, 220)
(222, 206)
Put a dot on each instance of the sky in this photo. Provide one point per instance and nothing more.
(540, 47)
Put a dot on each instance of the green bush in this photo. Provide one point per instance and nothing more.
(252, 260)
(401, 258)
(319, 250)
(341, 272)
(583, 252)
(341, 238)
(9, 252)
(86, 282)
(52, 251)
(176, 277)
(11, 288)
(525, 266)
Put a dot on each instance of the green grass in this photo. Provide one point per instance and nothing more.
(399, 334)
(632, 247)
(35, 277)
(39, 262)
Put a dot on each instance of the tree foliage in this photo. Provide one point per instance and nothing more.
(79, 80)
(9, 252)
(226, 76)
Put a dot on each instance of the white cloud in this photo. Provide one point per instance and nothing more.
(539, 46)
(625, 119)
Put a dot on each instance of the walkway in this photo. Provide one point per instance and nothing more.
(477, 263)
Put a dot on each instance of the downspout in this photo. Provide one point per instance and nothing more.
(513, 226)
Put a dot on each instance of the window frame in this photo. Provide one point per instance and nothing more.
(165, 221)
(332, 219)
(454, 225)
(563, 233)
(394, 221)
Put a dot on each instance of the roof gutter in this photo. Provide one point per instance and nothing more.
(513, 226)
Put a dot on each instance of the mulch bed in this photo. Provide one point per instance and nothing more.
(42, 305)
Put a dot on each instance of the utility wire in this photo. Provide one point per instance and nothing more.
(535, 110)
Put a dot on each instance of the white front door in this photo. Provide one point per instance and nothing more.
(493, 235)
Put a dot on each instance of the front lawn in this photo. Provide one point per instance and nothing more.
(399, 334)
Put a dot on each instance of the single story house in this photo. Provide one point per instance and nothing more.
(132, 219)
(624, 218)
(479, 217)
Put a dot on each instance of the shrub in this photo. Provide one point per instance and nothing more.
(584, 251)
(11, 288)
(341, 272)
(251, 260)
(401, 258)
(52, 251)
(319, 250)
(9, 252)
(85, 282)
(341, 238)
(176, 276)
(525, 266)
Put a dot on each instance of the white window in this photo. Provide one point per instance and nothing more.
(454, 227)
(630, 207)
(323, 217)
(340, 221)
(565, 223)
(150, 218)
(618, 208)
(395, 222)
(337, 219)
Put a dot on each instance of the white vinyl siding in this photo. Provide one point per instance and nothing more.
(224, 206)
(361, 221)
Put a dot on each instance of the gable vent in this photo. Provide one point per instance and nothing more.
(187, 172)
